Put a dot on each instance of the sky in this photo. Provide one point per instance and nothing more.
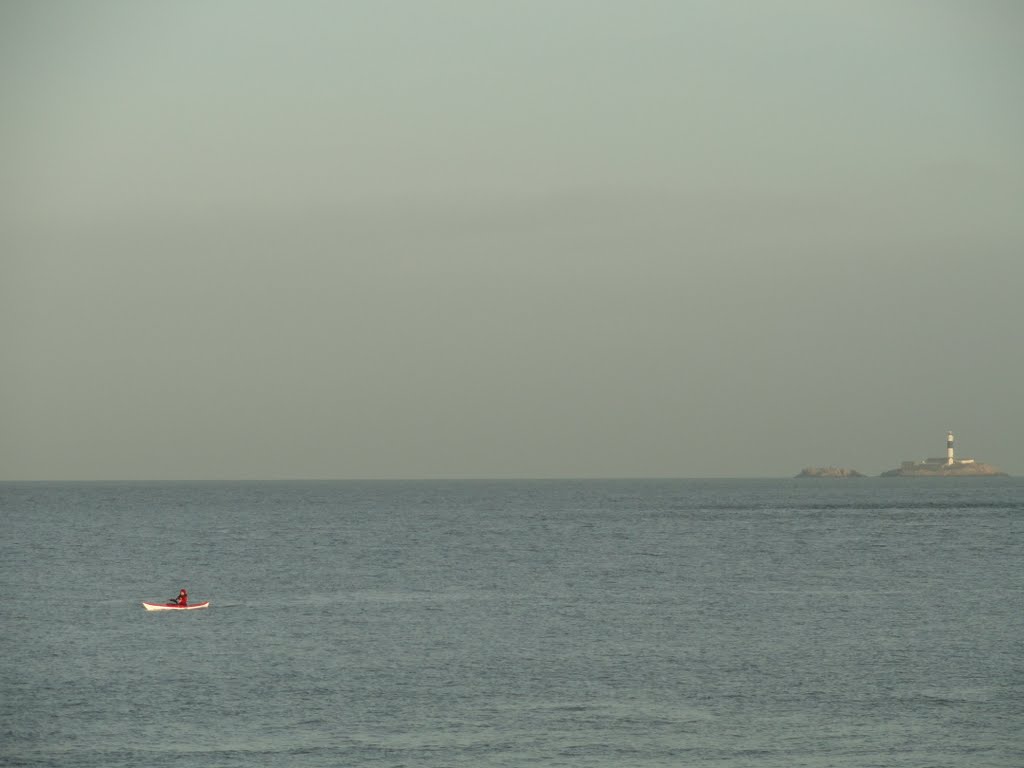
(558, 238)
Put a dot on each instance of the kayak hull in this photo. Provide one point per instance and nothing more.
(162, 607)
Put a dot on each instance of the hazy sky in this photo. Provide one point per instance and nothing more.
(508, 239)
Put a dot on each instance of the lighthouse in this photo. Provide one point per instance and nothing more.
(949, 449)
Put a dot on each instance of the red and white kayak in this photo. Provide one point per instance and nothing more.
(166, 607)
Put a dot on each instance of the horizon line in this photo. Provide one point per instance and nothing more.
(465, 479)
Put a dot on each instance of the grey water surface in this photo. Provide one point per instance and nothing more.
(727, 623)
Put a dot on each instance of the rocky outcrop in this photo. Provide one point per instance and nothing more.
(828, 472)
(926, 469)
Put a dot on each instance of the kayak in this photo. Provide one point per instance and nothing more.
(163, 607)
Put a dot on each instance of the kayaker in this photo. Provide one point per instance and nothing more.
(181, 599)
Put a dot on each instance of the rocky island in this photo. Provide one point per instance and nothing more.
(935, 469)
(829, 472)
(946, 466)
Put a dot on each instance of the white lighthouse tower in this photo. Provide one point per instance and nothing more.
(949, 449)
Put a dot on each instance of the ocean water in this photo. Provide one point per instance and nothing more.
(874, 622)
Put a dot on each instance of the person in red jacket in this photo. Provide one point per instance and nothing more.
(181, 599)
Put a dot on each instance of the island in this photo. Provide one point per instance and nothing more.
(945, 466)
(931, 468)
(828, 472)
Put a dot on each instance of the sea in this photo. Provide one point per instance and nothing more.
(577, 623)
